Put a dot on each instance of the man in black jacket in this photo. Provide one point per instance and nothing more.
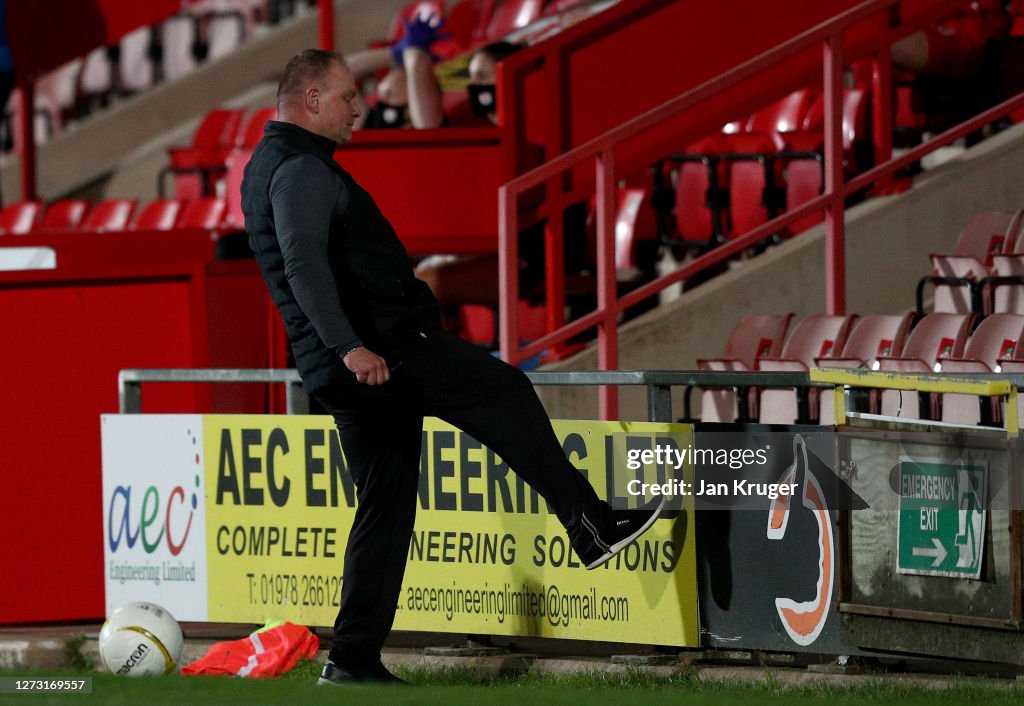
(367, 341)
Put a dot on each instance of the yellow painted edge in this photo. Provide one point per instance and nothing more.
(907, 381)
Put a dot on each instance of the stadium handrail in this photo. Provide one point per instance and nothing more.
(601, 149)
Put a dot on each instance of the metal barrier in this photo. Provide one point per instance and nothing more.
(659, 383)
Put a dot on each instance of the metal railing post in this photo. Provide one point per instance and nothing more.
(296, 401)
(129, 394)
(607, 336)
(659, 403)
(835, 245)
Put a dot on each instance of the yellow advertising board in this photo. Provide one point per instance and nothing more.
(486, 555)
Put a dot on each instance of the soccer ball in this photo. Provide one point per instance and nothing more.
(140, 639)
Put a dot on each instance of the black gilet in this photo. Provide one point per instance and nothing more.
(383, 300)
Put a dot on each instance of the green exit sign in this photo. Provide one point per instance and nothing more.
(941, 517)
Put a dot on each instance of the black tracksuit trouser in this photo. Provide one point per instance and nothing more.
(380, 428)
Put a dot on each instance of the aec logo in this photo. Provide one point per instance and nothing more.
(136, 514)
(150, 519)
(804, 621)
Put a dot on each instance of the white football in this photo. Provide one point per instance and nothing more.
(140, 639)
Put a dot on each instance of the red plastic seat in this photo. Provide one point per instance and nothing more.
(157, 215)
(198, 166)
(870, 337)
(700, 182)
(201, 213)
(112, 214)
(756, 336)
(61, 215)
(252, 133)
(987, 234)
(785, 115)
(996, 338)
(19, 218)
(815, 337)
(751, 181)
(511, 15)
(935, 338)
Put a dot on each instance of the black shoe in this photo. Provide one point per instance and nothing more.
(333, 675)
(598, 539)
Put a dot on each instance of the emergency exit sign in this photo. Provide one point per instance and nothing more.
(941, 529)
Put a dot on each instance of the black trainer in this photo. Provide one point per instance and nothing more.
(333, 675)
(598, 539)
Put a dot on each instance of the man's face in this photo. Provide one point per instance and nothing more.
(339, 107)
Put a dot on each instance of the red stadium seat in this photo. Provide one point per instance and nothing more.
(755, 337)
(871, 337)
(64, 214)
(157, 215)
(701, 181)
(785, 115)
(201, 213)
(752, 196)
(512, 15)
(19, 218)
(198, 166)
(935, 338)
(112, 214)
(252, 133)
(957, 277)
(812, 338)
(996, 338)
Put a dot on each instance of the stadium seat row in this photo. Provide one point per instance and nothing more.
(75, 215)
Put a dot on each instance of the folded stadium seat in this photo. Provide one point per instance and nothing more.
(61, 215)
(870, 337)
(701, 182)
(198, 167)
(753, 199)
(250, 135)
(56, 91)
(813, 338)
(511, 15)
(857, 139)
(157, 215)
(996, 338)
(111, 214)
(135, 68)
(224, 33)
(957, 278)
(1003, 291)
(785, 115)
(233, 215)
(636, 232)
(756, 336)
(801, 166)
(555, 6)
(179, 37)
(935, 338)
(201, 213)
(95, 81)
(19, 218)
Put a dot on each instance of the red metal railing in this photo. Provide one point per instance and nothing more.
(602, 150)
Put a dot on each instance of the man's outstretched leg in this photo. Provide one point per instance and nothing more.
(496, 404)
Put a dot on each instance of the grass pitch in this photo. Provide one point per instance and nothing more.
(535, 689)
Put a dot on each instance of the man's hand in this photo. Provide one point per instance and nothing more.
(369, 367)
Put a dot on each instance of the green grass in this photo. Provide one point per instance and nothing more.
(453, 688)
